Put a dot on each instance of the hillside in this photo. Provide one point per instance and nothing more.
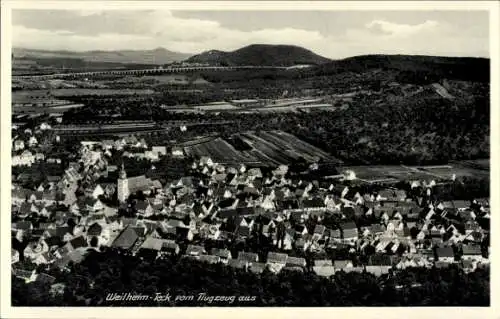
(260, 54)
(156, 56)
(413, 68)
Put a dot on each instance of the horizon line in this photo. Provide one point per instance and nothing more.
(204, 51)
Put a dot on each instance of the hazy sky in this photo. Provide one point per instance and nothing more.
(334, 34)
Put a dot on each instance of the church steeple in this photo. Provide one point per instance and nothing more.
(123, 174)
(122, 186)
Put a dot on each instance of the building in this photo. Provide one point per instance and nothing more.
(129, 185)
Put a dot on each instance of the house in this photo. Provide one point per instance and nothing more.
(223, 254)
(14, 256)
(35, 249)
(319, 231)
(144, 208)
(248, 257)
(323, 268)
(378, 270)
(276, 258)
(97, 191)
(292, 262)
(32, 141)
(177, 152)
(44, 258)
(77, 242)
(170, 247)
(126, 239)
(285, 242)
(18, 145)
(374, 229)
(445, 254)
(206, 161)
(153, 244)
(26, 158)
(237, 264)
(472, 252)
(342, 264)
(195, 250)
(210, 259)
(257, 268)
(349, 232)
(300, 230)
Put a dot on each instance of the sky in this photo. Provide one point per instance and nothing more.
(333, 34)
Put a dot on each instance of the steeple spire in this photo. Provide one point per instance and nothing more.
(123, 174)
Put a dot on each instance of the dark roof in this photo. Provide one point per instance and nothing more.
(319, 229)
(444, 252)
(247, 256)
(126, 239)
(78, 242)
(53, 241)
(236, 263)
(273, 257)
(243, 231)
(471, 250)
(94, 230)
(380, 260)
(295, 261)
(313, 203)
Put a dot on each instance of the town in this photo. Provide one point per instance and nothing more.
(241, 158)
(251, 218)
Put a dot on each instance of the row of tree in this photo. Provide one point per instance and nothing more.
(88, 284)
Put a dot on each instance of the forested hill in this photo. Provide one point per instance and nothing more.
(261, 54)
(413, 68)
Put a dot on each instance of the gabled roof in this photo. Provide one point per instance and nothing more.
(323, 262)
(324, 271)
(341, 264)
(445, 252)
(236, 263)
(22, 225)
(279, 258)
(195, 250)
(224, 253)
(78, 242)
(313, 203)
(94, 230)
(247, 256)
(471, 250)
(152, 244)
(295, 262)
(319, 229)
(380, 260)
(126, 239)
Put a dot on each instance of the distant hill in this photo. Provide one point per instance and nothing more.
(260, 54)
(156, 56)
(413, 68)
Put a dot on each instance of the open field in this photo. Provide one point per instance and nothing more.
(260, 148)
(459, 169)
(98, 92)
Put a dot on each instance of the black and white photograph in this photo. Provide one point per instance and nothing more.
(234, 155)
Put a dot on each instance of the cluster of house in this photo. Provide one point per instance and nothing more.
(26, 146)
(228, 204)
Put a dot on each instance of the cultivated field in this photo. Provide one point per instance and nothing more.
(459, 169)
(98, 92)
(260, 148)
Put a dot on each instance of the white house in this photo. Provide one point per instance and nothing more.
(18, 145)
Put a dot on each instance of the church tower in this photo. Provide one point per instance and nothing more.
(122, 186)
